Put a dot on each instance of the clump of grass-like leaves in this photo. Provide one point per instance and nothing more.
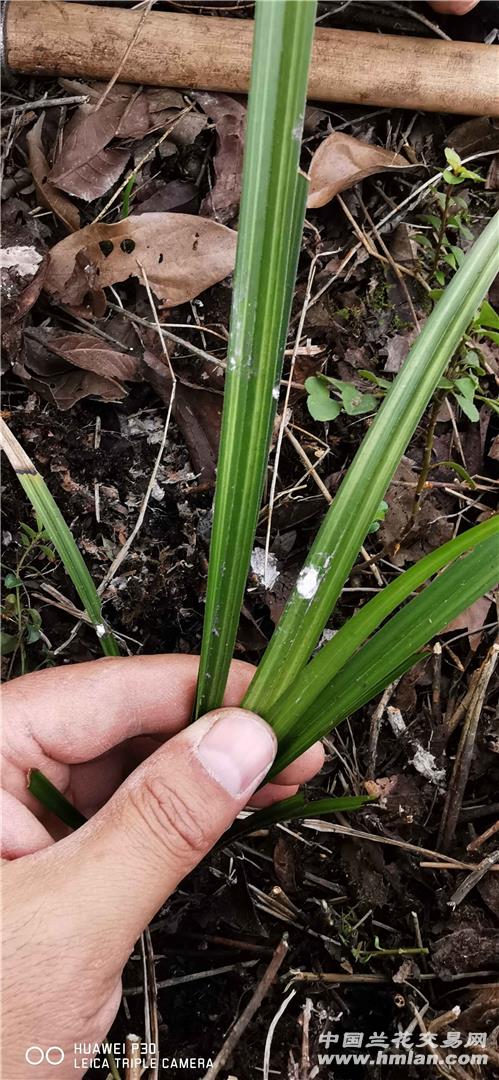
(304, 699)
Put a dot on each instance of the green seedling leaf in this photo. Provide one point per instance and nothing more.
(32, 635)
(451, 178)
(355, 403)
(457, 468)
(487, 316)
(380, 516)
(468, 407)
(440, 277)
(452, 158)
(319, 402)
(12, 581)
(466, 386)
(8, 643)
(494, 405)
(378, 380)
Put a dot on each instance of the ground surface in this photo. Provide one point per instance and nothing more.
(340, 898)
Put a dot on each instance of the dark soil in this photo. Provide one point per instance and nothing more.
(339, 898)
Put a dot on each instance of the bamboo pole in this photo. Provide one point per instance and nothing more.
(50, 37)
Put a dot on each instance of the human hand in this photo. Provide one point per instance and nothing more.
(74, 908)
(453, 7)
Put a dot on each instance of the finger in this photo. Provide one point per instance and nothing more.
(22, 833)
(304, 768)
(122, 865)
(453, 7)
(77, 713)
(270, 794)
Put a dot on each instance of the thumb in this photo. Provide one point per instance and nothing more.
(164, 819)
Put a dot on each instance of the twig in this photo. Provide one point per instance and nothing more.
(455, 864)
(346, 830)
(464, 754)
(167, 334)
(122, 554)
(305, 1040)
(405, 10)
(472, 879)
(436, 695)
(459, 1073)
(270, 1034)
(132, 1053)
(247, 1015)
(45, 103)
(151, 1003)
(479, 840)
(195, 976)
(333, 977)
(374, 730)
(126, 54)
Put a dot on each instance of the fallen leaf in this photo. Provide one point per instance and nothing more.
(341, 161)
(397, 349)
(480, 133)
(23, 264)
(431, 527)
(182, 256)
(54, 380)
(197, 412)
(492, 181)
(91, 354)
(472, 620)
(177, 195)
(84, 167)
(222, 202)
(47, 193)
(494, 449)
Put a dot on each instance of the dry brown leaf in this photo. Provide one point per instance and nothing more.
(341, 161)
(90, 353)
(84, 168)
(197, 413)
(47, 193)
(222, 202)
(57, 382)
(168, 198)
(182, 256)
(472, 620)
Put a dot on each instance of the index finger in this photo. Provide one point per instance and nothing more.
(76, 713)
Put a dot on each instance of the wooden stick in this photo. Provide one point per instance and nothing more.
(49, 37)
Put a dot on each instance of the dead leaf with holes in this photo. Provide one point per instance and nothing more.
(48, 195)
(341, 161)
(181, 255)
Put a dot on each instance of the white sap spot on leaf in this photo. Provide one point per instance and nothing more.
(275, 393)
(308, 581)
(265, 570)
(100, 630)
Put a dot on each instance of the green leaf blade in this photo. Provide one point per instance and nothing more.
(271, 221)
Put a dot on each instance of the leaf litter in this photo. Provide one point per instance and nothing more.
(341, 161)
